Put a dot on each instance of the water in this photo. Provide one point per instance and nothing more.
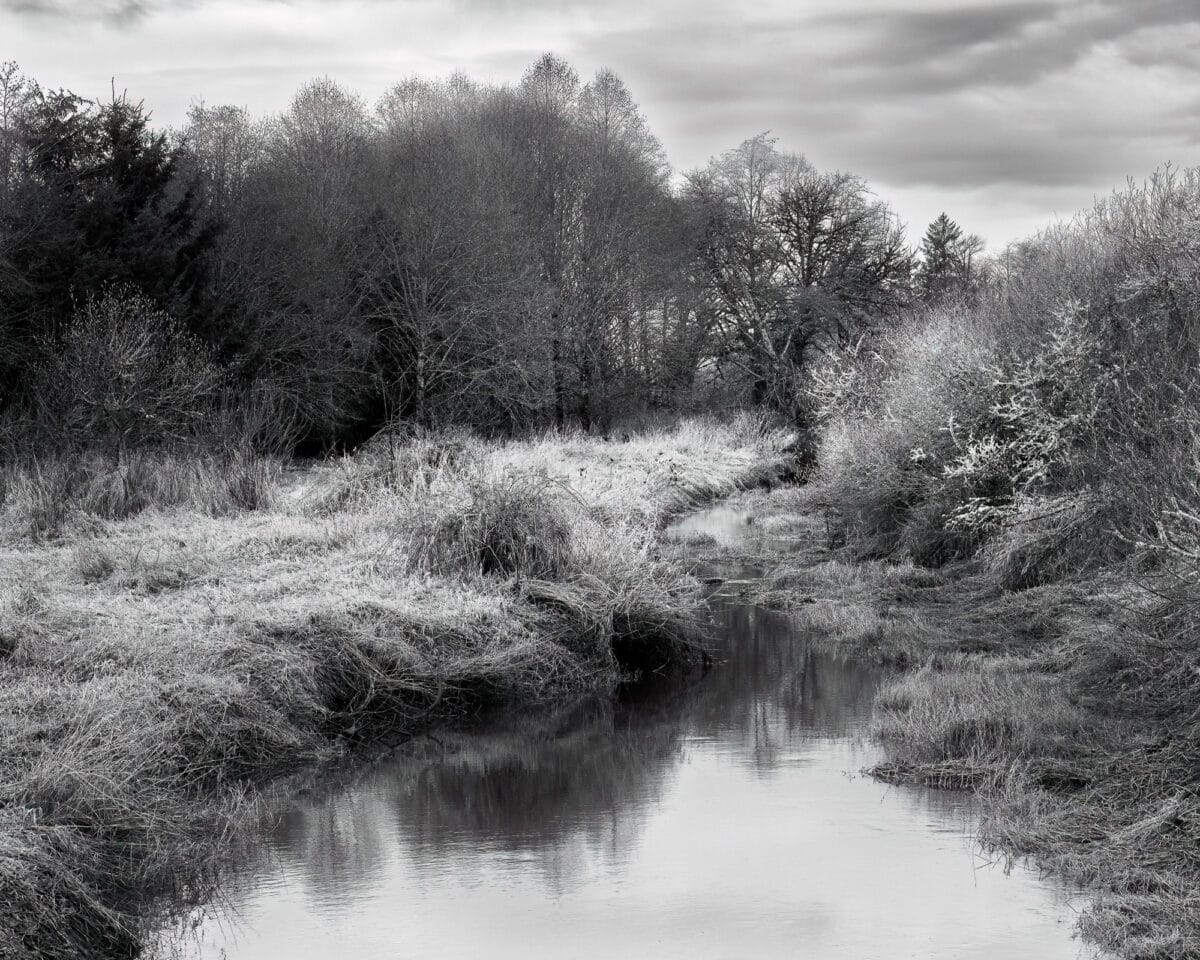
(725, 819)
(731, 527)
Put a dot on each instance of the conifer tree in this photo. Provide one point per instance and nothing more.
(947, 260)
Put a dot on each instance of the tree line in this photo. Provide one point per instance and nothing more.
(502, 257)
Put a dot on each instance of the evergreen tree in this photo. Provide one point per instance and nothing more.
(942, 262)
(98, 198)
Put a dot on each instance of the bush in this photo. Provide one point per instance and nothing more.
(877, 465)
(125, 374)
(1073, 375)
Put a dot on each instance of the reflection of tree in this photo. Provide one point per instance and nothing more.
(565, 789)
(772, 691)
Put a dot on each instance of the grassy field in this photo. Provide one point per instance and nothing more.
(1076, 726)
(174, 633)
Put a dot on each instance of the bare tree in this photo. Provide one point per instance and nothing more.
(843, 253)
(297, 243)
(126, 374)
(792, 262)
(225, 145)
(740, 266)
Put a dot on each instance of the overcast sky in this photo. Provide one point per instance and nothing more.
(1003, 113)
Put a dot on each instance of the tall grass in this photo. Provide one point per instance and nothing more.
(40, 496)
(173, 632)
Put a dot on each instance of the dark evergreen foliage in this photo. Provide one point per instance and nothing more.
(95, 198)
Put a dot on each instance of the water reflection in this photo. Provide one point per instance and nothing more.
(731, 527)
(718, 819)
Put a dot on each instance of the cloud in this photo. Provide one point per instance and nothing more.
(1018, 93)
(921, 39)
(112, 10)
(998, 106)
(991, 45)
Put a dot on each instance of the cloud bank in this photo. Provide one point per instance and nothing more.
(1002, 113)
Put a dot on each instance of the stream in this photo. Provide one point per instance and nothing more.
(727, 818)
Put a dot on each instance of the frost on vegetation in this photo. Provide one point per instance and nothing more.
(959, 426)
(165, 650)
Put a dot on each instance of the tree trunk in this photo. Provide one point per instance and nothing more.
(585, 396)
(560, 390)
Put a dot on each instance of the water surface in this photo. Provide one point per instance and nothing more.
(732, 527)
(722, 819)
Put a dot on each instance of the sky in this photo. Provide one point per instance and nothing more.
(1005, 114)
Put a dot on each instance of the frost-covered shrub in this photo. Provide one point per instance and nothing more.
(1040, 415)
(1074, 378)
(880, 462)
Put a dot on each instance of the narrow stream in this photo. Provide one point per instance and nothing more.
(727, 819)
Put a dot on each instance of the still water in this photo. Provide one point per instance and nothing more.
(724, 819)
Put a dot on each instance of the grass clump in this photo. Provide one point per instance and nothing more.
(512, 525)
(979, 716)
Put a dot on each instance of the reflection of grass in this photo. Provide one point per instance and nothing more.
(1051, 701)
(572, 782)
(153, 667)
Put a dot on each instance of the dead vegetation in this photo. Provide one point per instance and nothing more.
(164, 653)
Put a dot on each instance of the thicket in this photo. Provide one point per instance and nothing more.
(1050, 419)
(1039, 443)
(501, 257)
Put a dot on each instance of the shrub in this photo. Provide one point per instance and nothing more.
(1073, 374)
(878, 465)
(125, 374)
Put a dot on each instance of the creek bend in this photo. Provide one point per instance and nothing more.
(727, 818)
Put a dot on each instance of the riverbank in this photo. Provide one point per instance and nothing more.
(167, 649)
(1048, 701)
(704, 818)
